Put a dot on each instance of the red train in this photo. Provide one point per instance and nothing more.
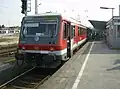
(49, 38)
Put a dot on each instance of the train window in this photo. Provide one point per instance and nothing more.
(73, 31)
(84, 31)
(81, 31)
(65, 30)
(68, 30)
(44, 29)
(78, 31)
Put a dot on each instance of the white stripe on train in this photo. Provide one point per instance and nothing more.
(79, 43)
(61, 52)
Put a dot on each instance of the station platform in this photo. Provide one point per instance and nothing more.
(94, 66)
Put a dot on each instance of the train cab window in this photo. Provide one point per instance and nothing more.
(65, 30)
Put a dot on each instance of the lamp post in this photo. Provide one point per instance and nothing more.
(36, 6)
(112, 13)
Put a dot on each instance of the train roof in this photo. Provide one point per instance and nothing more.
(67, 18)
(45, 14)
(74, 21)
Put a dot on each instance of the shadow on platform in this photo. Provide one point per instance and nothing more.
(116, 62)
(114, 68)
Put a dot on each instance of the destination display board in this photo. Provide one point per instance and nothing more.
(42, 19)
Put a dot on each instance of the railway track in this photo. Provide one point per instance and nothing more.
(30, 79)
(9, 51)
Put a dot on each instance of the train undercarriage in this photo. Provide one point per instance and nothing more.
(39, 60)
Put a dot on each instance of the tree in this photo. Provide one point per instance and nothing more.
(3, 26)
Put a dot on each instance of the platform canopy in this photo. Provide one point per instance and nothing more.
(101, 25)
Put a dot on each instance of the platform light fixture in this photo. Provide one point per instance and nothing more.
(108, 8)
(112, 12)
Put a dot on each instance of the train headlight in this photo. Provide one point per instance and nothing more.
(23, 48)
(51, 49)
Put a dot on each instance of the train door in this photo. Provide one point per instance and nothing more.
(69, 40)
(67, 32)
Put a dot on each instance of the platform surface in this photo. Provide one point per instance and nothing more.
(98, 70)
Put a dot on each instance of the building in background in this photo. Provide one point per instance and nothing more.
(113, 32)
(9, 30)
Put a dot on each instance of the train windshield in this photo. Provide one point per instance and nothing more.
(40, 28)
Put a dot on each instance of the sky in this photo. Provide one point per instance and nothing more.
(10, 10)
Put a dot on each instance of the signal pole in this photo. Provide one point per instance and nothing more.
(36, 7)
(24, 7)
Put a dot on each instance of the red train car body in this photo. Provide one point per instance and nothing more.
(49, 38)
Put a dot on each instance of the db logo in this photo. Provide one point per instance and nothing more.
(36, 38)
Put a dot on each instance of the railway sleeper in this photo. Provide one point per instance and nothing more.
(18, 87)
(28, 82)
(22, 85)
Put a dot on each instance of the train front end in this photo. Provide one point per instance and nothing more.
(39, 40)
